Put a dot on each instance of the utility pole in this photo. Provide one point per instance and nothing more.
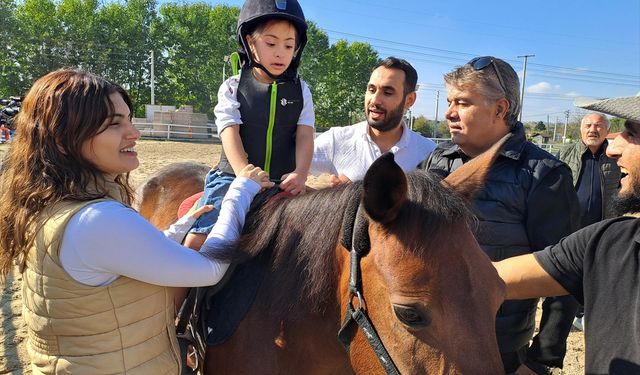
(524, 76)
(566, 123)
(435, 123)
(555, 127)
(153, 94)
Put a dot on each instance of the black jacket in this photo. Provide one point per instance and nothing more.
(527, 203)
(609, 172)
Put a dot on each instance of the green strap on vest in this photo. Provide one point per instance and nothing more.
(272, 122)
(234, 60)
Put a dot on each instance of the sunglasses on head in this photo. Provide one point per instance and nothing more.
(480, 63)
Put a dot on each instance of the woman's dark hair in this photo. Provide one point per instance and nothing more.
(45, 165)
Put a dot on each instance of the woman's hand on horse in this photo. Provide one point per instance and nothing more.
(197, 212)
(338, 180)
(256, 174)
(294, 183)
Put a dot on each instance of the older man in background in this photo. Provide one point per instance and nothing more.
(596, 176)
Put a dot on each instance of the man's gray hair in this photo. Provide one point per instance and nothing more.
(601, 115)
(486, 81)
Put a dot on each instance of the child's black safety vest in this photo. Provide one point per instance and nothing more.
(270, 114)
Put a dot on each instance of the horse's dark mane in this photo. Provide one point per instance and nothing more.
(302, 234)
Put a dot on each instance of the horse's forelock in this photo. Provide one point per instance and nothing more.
(430, 211)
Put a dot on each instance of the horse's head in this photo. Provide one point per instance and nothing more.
(431, 293)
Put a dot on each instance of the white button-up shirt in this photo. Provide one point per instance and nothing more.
(349, 151)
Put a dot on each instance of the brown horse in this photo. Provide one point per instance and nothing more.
(428, 290)
(158, 198)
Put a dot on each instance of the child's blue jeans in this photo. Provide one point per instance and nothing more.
(216, 185)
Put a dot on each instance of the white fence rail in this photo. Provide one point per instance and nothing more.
(177, 132)
(181, 132)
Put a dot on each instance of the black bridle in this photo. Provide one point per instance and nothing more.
(355, 236)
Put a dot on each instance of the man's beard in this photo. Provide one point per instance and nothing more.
(625, 204)
(391, 119)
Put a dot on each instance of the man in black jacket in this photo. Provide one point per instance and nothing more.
(595, 175)
(528, 201)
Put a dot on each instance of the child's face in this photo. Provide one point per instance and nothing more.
(273, 47)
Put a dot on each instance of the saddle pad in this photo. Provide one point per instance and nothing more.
(223, 310)
(186, 204)
(223, 306)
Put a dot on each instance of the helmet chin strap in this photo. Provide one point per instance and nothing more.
(284, 76)
(254, 64)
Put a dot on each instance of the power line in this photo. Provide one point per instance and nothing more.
(503, 25)
(565, 73)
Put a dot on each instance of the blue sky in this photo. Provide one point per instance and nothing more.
(582, 48)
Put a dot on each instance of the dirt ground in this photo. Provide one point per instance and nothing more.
(153, 155)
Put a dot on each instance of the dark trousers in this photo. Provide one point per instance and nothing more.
(513, 360)
(549, 346)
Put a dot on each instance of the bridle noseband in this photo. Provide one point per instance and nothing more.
(355, 236)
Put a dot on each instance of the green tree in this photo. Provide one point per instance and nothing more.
(421, 125)
(77, 20)
(314, 65)
(540, 126)
(10, 78)
(111, 40)
(125, 31)
(616, 125)
(425, 126)
(37, 44)
(190, 42)
(340, 98)
(195, 38)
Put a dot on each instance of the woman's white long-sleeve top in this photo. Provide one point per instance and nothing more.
(106, 240)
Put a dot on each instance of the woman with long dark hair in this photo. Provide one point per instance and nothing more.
(96, 275)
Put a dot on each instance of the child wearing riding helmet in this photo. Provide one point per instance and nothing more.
(264, 114)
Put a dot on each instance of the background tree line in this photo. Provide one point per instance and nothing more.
(190, 42)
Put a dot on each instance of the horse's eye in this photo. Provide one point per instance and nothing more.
(411, 316)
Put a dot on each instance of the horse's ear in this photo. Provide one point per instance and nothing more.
(385, 189)
(469, 178)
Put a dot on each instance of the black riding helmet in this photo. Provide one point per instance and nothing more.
(254, 12)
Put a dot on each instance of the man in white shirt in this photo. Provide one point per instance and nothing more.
(347, 152)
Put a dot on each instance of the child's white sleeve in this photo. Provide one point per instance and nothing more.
(307, 116)
(227, 111)
(235, 205)
(178, 230)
